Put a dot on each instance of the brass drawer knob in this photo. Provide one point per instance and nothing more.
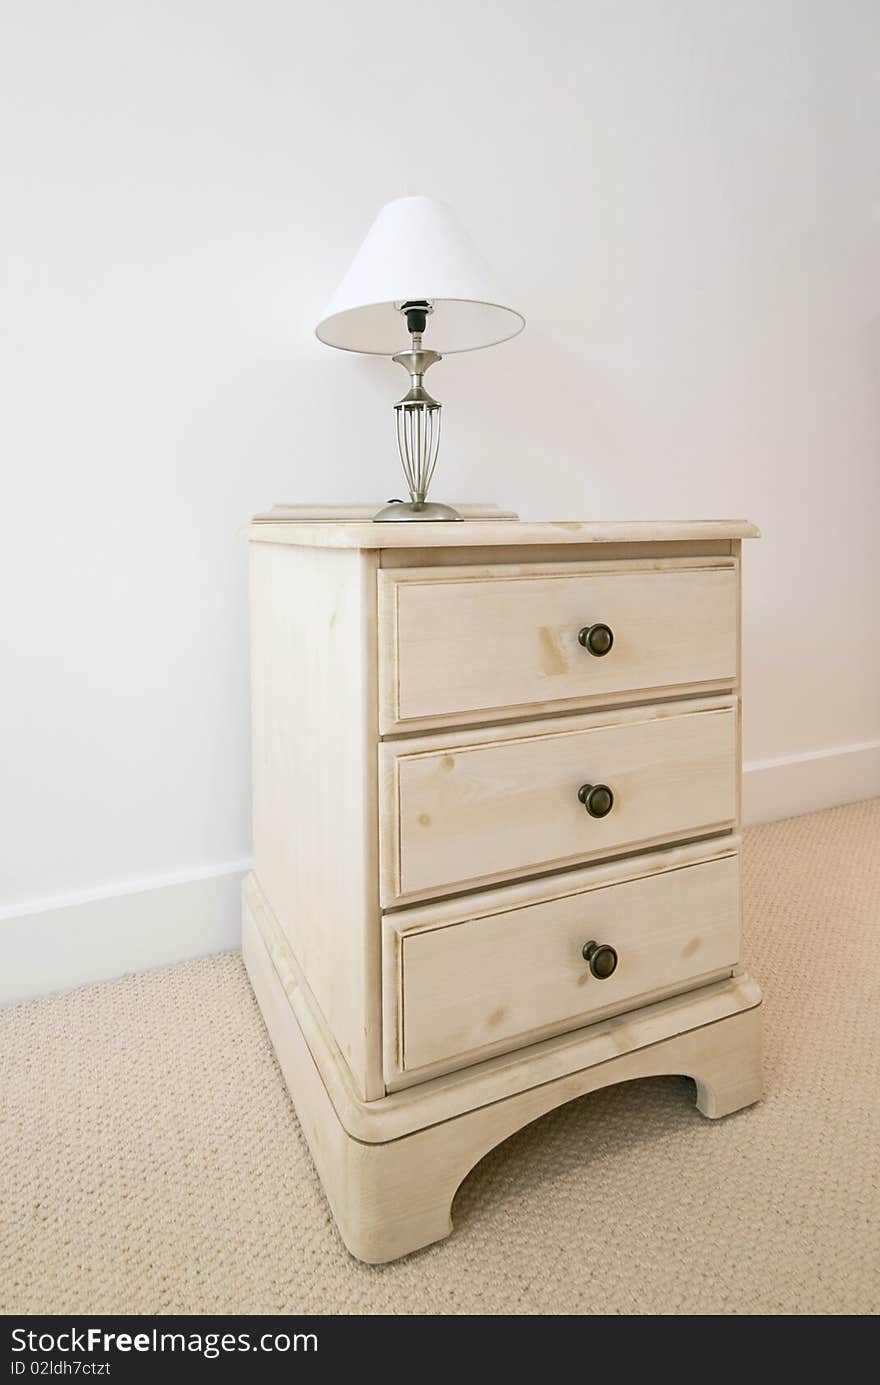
(598, 639)
(597, 799)
(602, 959)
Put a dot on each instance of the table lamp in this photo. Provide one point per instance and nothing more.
(416, 273)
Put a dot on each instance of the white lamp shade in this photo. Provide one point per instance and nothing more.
(416, 250)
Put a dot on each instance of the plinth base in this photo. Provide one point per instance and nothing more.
(391, 1167)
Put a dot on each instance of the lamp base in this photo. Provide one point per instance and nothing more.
(409, 511)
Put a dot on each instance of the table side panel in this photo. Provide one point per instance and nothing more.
(314, 780)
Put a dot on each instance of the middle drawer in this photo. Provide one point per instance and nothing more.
(462, 809)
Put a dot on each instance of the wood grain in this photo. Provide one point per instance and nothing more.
(393, 1196)
(503, 979)
(484, 642)
(489, 533)
(540, 553)
(452, 1094)
(313, 666)
(463, 809)
(423, 718)
(340, 513)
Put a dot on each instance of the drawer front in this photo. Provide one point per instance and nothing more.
(463, 991)
(476, 645)
(474, 808)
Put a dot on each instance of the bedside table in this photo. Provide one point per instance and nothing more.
(496, 851)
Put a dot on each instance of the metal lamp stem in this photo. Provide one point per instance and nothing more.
(418, 428)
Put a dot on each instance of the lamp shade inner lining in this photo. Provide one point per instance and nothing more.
(454, 325)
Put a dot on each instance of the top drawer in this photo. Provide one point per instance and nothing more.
(461, 644)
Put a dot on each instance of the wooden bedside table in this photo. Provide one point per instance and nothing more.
(496, 807)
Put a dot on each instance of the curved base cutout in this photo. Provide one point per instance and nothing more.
(400, 1194)
(395, 1196)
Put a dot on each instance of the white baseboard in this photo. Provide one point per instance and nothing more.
(795, 784)
(57, 944)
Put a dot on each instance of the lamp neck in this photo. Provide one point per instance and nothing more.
(417, 361)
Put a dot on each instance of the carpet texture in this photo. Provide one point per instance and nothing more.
(150, 1160)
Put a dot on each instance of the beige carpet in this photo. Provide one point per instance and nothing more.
(150, 1161)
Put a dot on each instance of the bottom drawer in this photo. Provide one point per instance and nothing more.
(472, 978)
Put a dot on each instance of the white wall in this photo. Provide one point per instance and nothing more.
(682, 196)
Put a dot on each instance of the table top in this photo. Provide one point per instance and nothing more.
(489, 533)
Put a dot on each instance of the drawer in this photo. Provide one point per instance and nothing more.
(472, 808)
(478, 643)
(509, 973)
